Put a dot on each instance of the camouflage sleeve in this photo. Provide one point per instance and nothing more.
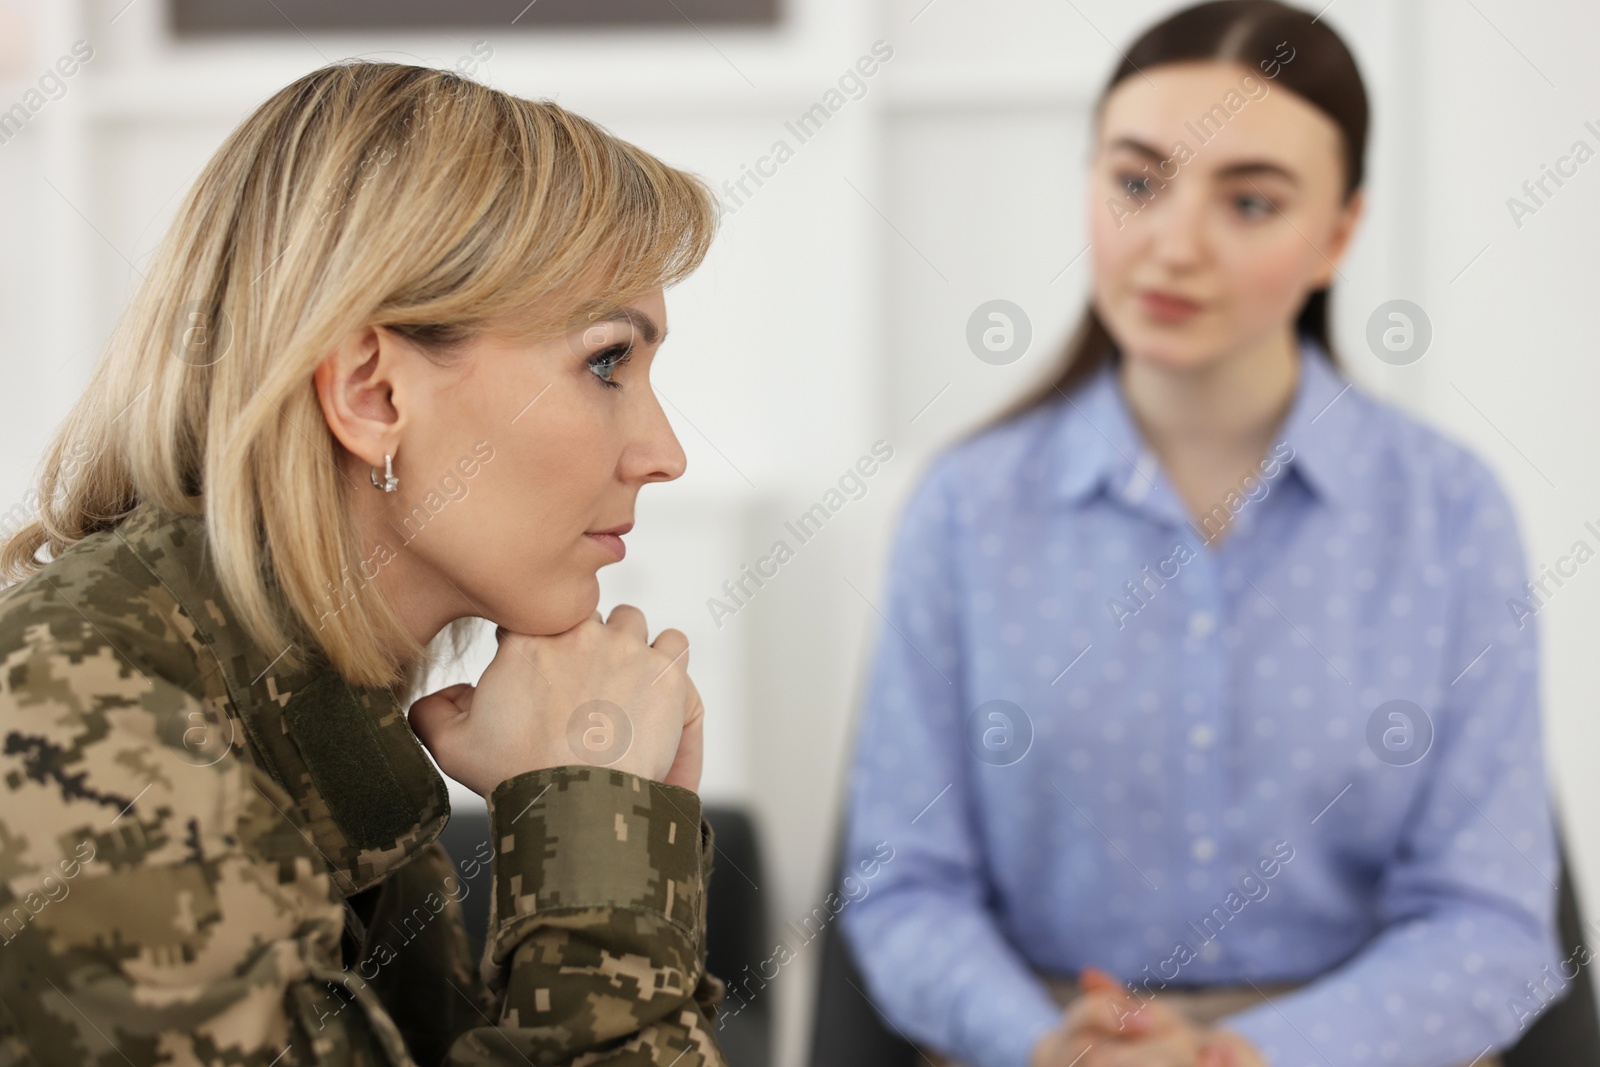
(157, 904)
(596, 947)
(160, 903)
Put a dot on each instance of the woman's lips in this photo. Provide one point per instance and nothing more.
(1167, 308)
(610, 542)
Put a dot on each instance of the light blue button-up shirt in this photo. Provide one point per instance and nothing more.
(1308, 751)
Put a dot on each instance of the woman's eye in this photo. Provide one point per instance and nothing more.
(1137, 185)
(1254, 207)
(605, 363)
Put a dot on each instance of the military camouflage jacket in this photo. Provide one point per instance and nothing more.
(205, 858)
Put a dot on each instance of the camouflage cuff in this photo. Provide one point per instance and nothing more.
(575, 837)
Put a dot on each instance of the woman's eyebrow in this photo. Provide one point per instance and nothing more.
(1135, 145)
(642, 324)
(1245, 168)
(1250, 168)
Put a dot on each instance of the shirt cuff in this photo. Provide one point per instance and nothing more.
(575, 837)
(1264, 1028)
(1015, 1049)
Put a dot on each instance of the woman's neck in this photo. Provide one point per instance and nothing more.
(1210, 426)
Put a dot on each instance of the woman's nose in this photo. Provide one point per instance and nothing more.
(657, 456)
(1179, 228)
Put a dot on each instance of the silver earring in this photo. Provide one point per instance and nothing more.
(390, 483)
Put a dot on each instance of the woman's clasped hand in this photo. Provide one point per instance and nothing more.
(600, 693)
(1108, 1025)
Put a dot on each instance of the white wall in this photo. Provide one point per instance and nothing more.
(833, 308)
(1506, 89)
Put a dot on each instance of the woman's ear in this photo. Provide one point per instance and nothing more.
(1344, 228)
(359, 387)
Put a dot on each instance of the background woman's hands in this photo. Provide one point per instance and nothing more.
(1108, 1026)
(640, 712)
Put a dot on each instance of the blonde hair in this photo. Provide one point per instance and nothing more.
(363, 193)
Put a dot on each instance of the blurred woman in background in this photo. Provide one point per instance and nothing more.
(1199, 711)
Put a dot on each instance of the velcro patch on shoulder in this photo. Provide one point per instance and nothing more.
(340, 745)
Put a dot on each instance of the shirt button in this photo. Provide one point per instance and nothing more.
(1203, 849)
(1201, 623)
(1202, 736)
(1211, 951)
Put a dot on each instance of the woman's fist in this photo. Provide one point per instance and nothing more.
(598, 694)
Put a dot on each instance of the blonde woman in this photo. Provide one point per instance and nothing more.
(388, 374)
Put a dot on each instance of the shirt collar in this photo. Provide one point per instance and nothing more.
(368, 796)
(1324, 427)
(1098, 440)
(1101, 448)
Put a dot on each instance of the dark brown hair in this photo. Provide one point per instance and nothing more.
(1249, 32)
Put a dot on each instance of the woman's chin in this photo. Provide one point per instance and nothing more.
(1169, 350)
(556, 614)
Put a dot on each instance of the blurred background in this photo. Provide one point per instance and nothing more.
(832, 314)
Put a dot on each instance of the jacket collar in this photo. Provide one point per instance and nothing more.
(364, 790)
